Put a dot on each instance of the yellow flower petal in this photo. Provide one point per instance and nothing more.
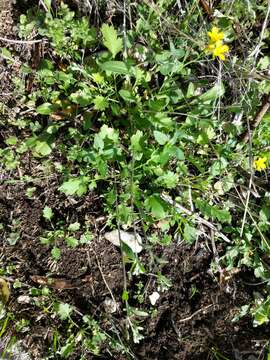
(220, 50)
(260, 163)
(215, 34)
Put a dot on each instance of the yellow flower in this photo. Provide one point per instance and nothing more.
(98, 78)
(218, 49)
(215, 34)
(260, 163)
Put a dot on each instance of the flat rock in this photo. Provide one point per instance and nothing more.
(128, 238)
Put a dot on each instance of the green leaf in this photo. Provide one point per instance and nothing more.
(12, 140)
(67, 350)
(64, 310)
(56, 253)
(100, 103)
(117, 67)
(213, 211)
(30, 191)
(42, 148)
(190, 233)
(136, 142)
(262, 314)
(47, 213)
(125, 295)
(169, 180)
(217, 91)
(6, 54)
(46, 109)
(180, 154)
(13, 238)
(98, 142)
(81, 97)
(157, 207)
(74, 226)
(127, 95)
(160, 137)
(71, 241)
(75, 186)
(85, 238)
(110, 39)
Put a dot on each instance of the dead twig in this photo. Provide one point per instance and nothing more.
(27, 42)
(181, 209)
(206, 8)
(102, 275)
(195, 313)
(215, 252)
(258, 118)
(251, 177)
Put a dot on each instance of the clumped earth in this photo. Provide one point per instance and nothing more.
(188, 323)
(193, 317)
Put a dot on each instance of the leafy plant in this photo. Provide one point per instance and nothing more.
(137, 113)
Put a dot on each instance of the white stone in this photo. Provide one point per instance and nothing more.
(128, 238)
(154, 298)
(110, 305)
(24, 299)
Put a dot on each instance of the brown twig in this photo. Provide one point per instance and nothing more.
(27, 42)
(102, 275)
(258, 118)
(206, 8)
(181, 209)
(203, 310)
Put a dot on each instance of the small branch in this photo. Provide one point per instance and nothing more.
(102, 275)
(195, 313)
(258, 118)
(206, 8)
(28, 42)
(44, 6)
(215, 252)
(251, 176)
(181, 209)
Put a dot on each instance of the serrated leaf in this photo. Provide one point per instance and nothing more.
(110, 39)
(56, 253)
(136, 141)
(190, 233)
(42, 148)
(72, 242)
(64, 310)
(100, 103)
(81, 97)
(156, 206)
(169, 180)
(47, 213)
(85, 238)
(76, 186)
(74, 226)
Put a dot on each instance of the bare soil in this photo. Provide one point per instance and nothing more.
(193, 318)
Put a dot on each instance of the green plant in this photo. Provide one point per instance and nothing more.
(152, 124)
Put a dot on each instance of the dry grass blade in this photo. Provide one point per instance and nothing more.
(181, 209)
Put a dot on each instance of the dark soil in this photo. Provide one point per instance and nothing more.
(193, 319)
